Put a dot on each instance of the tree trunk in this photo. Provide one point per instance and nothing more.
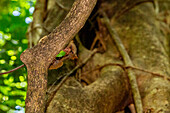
(102, 84)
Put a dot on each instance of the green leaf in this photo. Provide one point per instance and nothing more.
(10, 52)
(61, 54)
(24, 41)
(7, 36)
(2, 42)
(2, 61)
(13, 57)
(4, 107)
(21, 78)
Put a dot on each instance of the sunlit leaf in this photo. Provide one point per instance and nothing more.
(22, 103)
(10, 102)
(14, 42)
(0, 96)
(21, 78)
(11, 79)
(13, 57)
(61, 54)
(2, 42)
(5, 89)
(25, 97)
(4, 107)
(6, 82)
(5, 75)
(20, 49)
(11, 62)
(12, 84)
(5, 98)
(7, 36)
(24, 41)
(1, 33)
(2, 61)
(11, 111)
(18, 102)
(23, 84)
(18, 85)
(11, 52)
(23, 13)
(17, 92)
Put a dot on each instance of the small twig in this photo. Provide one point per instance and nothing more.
(13, 69)
(146, 71)
(127, 8)
(128, 62)
(124, 67)
(72, 71)
(61, 6)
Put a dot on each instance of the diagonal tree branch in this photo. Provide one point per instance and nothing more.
(128, 62)
(39, 58)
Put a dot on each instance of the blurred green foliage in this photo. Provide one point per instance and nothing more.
(14, 18)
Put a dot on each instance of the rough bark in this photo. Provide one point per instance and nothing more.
(38, 58)
(102, 96)
(56, 12)
(142, 37)
(96, 98)
(109, 91)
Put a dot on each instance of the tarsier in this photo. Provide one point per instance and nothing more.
(68, 53)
